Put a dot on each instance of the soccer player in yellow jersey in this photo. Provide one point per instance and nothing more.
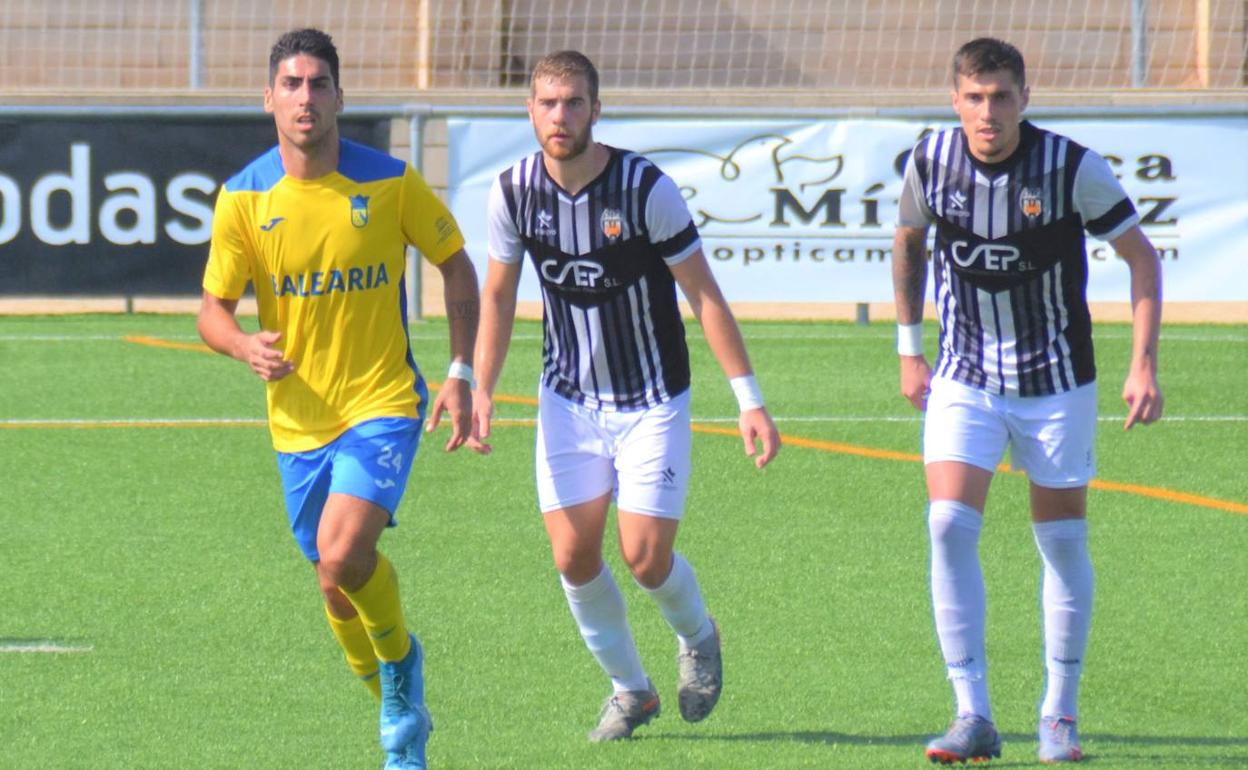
(319, 225)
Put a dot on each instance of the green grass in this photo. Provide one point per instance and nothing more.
(165, 551)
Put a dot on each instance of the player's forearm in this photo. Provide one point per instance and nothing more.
(459, 282)
(1145, 317)
(218, 327)
(909, 274)
(498, 317)
(1145, 266)
(723, 336)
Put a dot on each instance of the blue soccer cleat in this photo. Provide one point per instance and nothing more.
(1059, 740)
(970, 737)
(411, 758)
(405, 722)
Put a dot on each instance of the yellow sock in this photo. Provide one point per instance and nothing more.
(357, 648)
(381, 613)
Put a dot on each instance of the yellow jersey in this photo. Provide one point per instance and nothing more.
(326, 257)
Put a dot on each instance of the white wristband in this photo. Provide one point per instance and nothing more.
(910, 339)
(461, 371)
(745, 388)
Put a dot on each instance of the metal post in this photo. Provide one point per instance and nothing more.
(416, 150)
(1139, 43)
(862, 314)
(197, 44)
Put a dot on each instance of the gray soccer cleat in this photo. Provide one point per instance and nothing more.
(969, 737)
(1059, 740)
(701, 677)
(624, 712)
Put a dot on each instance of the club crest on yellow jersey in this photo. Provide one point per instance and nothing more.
(359, 210)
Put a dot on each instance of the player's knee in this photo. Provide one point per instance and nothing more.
(650, 566)
(342, 570)
(336, 600)
(578, 564)
(952, 520)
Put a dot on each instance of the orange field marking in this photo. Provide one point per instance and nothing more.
(154, 342)
(1157, 493)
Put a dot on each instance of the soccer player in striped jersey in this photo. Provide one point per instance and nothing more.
(1011, 202)
(319, 226)
(610, 238)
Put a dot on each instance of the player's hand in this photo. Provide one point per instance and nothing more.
(916, 380)
(756, 425)
(454, 398)
(260, 352)
(1143, 398)
(482, 413)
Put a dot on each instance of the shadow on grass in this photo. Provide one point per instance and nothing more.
(829, 737)
(1015, 742)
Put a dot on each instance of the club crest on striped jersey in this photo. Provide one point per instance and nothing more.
(612, 224)
(359, 210)
(1029, 201)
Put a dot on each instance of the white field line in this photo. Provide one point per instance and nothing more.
(98, 421)
(749, 335)
(44, 646)
(88, 422)
(849, 418)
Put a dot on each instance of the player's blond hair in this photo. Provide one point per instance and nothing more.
(563, 65)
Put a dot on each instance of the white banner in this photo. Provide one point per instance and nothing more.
(803, 211)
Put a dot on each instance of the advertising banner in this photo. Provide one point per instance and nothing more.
(122, 206)
(803, 210)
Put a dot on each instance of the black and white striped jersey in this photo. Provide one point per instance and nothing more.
(613, 338)
(1009, 263)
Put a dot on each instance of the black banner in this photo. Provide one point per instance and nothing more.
(122, 206)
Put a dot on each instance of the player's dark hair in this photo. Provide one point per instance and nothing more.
(312, 42)
(988, 54)
(566, 64)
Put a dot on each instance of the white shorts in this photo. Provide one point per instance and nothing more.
(1050, 437)
(642, 456)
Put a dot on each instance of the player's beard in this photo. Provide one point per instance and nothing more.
(580, 142)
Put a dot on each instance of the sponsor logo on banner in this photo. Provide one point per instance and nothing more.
(805, 211)
(125, 205)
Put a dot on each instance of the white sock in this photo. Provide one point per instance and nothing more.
(958, 602)
(680, 601)
(1067, 600)
(598, 607)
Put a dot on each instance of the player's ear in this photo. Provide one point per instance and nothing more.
(338, 105)
(1025, 98)
(595, 113)
(268, 99)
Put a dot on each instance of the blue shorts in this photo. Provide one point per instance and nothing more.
(370, 461)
